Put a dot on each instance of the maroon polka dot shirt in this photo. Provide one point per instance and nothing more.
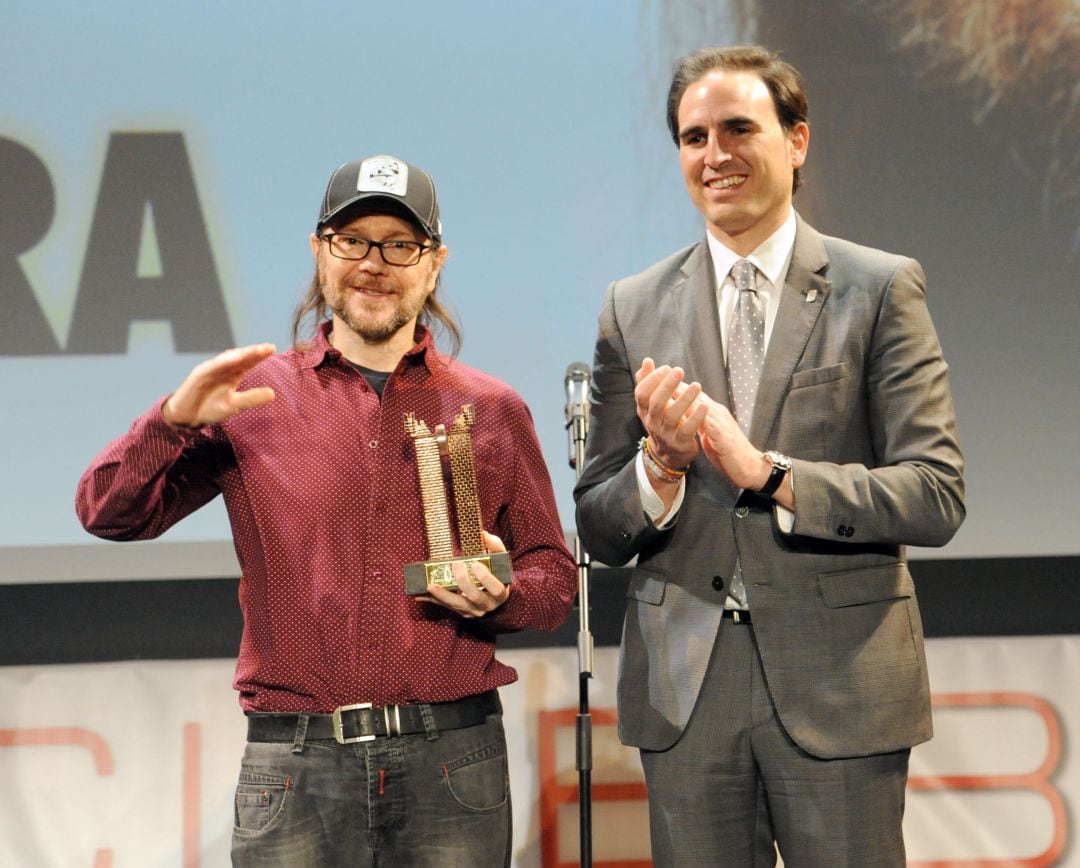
(323, 497)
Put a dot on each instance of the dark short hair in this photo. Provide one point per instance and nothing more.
(780, 77)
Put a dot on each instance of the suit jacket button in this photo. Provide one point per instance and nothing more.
(718, 583)
(742, 511)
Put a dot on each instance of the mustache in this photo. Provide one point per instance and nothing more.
(361, 282)
(363, 285)
(373, 285)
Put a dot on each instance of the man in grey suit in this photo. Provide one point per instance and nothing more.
(795, 432)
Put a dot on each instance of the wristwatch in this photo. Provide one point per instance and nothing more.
(781, 465)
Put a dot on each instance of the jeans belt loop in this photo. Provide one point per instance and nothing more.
(431, 731)
(301, 733)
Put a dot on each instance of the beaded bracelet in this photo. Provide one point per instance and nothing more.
(658, 468)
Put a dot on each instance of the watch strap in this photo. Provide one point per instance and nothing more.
(780, 466)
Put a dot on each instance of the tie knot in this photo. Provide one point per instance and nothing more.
(742, 272)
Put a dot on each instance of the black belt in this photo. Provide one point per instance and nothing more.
(361, 722)
(738, 616)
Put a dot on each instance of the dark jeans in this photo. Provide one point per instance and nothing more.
(413, 800)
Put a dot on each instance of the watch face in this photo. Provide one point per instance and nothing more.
(779, 460)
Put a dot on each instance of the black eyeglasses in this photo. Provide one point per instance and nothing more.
(392, 252)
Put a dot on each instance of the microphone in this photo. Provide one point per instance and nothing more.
(577, 407)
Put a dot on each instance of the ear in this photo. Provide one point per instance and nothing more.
(799, 138)
(438, 257)
(314, 245)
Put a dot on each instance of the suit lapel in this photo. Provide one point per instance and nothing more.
(801, 302)
(696, 309)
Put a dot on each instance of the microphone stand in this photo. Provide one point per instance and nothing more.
(577, 423)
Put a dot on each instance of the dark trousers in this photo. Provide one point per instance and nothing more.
(735, 786)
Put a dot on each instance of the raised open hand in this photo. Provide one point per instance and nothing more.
(208, 394)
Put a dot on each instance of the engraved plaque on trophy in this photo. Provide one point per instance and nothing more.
(430, 447)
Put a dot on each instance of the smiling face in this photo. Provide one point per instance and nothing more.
(736, 158)
(373, 301)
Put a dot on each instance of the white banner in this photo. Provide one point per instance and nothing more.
(132, 765)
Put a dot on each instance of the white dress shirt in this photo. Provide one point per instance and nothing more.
(771, 258)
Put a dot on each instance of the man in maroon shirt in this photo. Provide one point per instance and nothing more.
(374, 724)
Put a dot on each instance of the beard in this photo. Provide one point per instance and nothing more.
(369, 319)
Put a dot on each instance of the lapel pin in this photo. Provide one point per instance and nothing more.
(811, 295)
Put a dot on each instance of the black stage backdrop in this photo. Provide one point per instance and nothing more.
(200, 618)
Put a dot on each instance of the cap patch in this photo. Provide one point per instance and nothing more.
(383, 175)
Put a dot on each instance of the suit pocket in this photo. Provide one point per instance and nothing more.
(820, 406)
(817, 376)
(646, 587)
(865, 585)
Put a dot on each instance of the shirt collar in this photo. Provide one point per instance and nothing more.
(319, 349)
(771, 256)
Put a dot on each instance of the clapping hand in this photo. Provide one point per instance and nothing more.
(671, 412)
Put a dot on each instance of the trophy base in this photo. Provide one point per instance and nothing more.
(440, 573)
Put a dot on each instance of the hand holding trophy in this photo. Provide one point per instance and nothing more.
(438, 570)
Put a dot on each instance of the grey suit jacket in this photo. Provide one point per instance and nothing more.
(855, 390)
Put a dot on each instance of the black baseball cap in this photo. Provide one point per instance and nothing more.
(388, 178)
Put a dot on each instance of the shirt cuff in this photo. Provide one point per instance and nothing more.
(182, 433)
(650, 500)
(785, 518)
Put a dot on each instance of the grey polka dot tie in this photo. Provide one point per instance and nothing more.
(746, 344)
(745, 358)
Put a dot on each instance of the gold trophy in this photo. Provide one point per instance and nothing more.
(430, 447)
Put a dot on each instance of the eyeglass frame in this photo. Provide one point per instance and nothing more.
(378, 245)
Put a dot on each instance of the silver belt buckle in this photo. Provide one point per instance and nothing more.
(339, 733)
